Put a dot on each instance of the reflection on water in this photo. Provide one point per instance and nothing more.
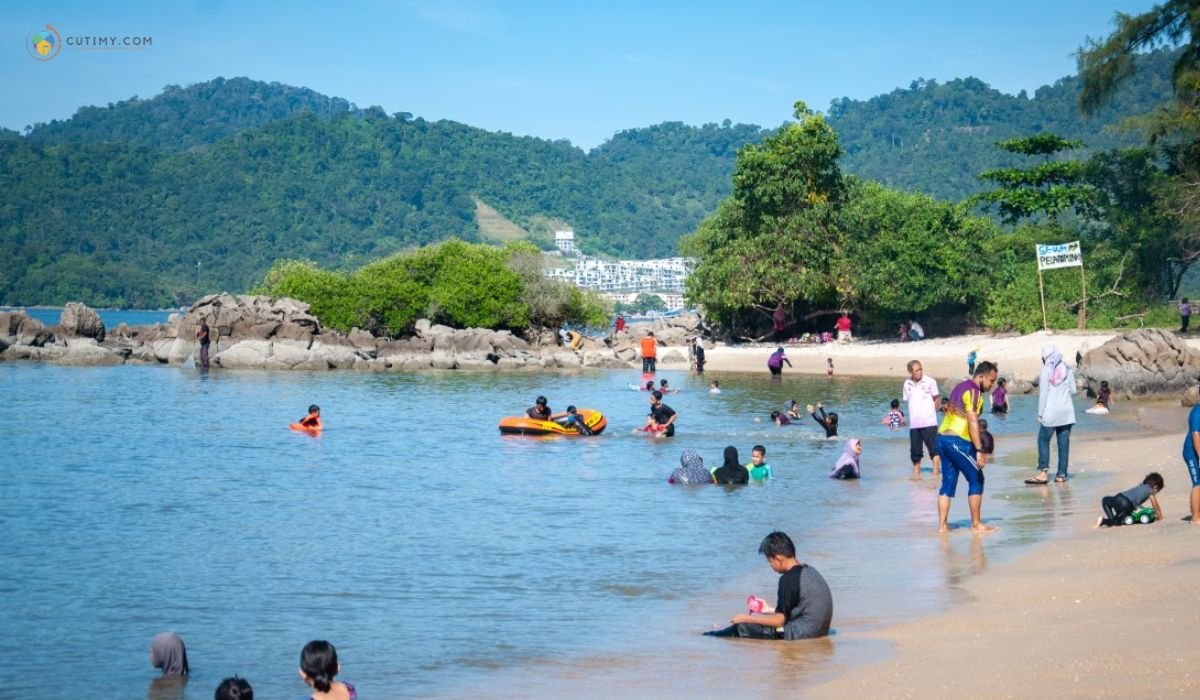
(417, 539)
(167, 688)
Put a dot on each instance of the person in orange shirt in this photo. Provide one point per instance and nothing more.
(649, 352)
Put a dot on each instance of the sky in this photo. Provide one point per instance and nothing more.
(580, 71)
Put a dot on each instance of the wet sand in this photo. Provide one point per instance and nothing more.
(1089, 613)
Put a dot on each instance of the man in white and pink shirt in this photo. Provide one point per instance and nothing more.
(921, 393)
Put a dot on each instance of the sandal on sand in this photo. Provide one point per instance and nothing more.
(1040, 480)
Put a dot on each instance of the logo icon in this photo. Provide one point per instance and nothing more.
(45, 44)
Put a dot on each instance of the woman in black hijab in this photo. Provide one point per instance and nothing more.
(732, 471)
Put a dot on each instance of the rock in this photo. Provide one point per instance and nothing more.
(1191, 397)
(443, 358)
(335, 355)
(85, 352)
(1148, 361)
(247, 354)
(362, 340)
(672, 356)
(602, 359)
(421, 326)
(80, 321)
(288, 352)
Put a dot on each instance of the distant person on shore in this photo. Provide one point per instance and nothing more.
(999, 397)
(203, 335)
(714, 387)
(780, 418)
(619, 324)
(1185, 314)
(690, 470)
(1103, 398)
(1118, 506)
(847, 466)
(575, 339)
(828, 366)
(698, 355)
(234, 689)
(649, 348)
(960, 446)
(894, 417)
(843, 326)
(776, 360)
(758, 467)
(1191, 457)
(779, 322)
(318, 666)
(1056, 414)
(915, 331)
(731, 470)
(168, 653)
(986, 438)
(539, 410)
(828, 421)
(661, 420)
(971, 357)
(921, 393)
(803, 602)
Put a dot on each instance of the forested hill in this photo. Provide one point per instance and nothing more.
(937, 137)
(152, 202)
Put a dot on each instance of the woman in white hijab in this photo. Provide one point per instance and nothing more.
(1056, 414)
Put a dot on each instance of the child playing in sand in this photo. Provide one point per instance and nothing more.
(847, 466)
(1118, 506)
(803, 604)
(828, 421)
(894, 417)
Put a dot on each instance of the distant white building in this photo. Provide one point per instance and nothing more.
(673, 302)
(565, 241)
(662, 275)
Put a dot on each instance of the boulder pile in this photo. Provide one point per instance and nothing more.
(1146, 362)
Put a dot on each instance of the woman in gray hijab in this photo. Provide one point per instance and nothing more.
(691, 470)
(168, 653)
(1056, 414)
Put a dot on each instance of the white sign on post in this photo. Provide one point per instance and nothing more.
(1060, 255)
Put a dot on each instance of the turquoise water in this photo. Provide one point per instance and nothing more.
(439, 556)
(111, 317)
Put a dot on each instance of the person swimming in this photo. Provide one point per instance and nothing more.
(847, 466)
(731, 471)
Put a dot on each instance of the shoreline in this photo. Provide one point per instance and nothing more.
(1085, 612)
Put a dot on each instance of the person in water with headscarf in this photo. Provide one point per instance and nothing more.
(731, 471)
(847, 465)
(168, 653)
(691, 470)
(1056, 414)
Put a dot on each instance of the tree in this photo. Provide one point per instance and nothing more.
(1049, 188)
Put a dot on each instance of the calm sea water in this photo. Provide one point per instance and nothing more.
(111, 317)
(439, 556)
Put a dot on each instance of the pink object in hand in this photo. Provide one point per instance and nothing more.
(755, 605)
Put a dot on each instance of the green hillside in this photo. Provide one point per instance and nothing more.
(199, 189)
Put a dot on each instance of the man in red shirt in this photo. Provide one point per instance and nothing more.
(843, 328)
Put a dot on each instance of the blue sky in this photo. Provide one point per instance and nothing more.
(560, 70)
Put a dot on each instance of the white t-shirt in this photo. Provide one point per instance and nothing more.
(922, 412)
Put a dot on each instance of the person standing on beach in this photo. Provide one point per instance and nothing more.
(779, 322)
(649, 353)
(203, 336)
(698, 355)
(1185, 314)
(960, 444)
(921, 393)
(1191, 457)
(1056, 414)
(843, 328)
(776, 360)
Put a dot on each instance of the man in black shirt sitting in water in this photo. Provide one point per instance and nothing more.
(661, 420)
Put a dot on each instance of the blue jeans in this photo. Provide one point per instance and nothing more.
(1063, 432)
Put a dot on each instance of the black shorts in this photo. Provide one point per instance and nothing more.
(918, 437)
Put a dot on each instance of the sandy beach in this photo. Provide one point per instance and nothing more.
(1089, 613)
(1019, 356)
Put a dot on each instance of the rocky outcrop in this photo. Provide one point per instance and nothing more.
(258, 332)
(81, 322)
(1145, 362)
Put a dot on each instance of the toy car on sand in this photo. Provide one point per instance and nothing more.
(1144, 515)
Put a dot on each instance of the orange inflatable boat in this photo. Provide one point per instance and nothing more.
(524, 425)
(313, 430)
